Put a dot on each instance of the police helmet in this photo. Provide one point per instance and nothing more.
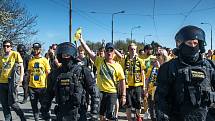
(21, 48)
(190, 33)
(66, 48)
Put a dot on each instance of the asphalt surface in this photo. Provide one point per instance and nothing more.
(29, 115)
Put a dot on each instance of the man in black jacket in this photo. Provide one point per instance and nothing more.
(68, 83)
(185, 84)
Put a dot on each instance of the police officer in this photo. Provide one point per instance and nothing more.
(184, 85)
(68, 83)
(22, 51)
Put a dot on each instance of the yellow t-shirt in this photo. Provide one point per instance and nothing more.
(134, 78)
(7, 63)
(104, 80)
(38, 68)
(213, 57)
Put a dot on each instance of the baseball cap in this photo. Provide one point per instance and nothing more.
(109, 46)
(36, 45)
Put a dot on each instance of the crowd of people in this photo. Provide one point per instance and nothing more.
(161, 83)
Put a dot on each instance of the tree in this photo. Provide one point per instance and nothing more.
(15, 24)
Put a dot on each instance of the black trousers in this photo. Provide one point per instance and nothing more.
(64, 113)
(5, 104)
(25, 87)
(151, 104)
(36, 95)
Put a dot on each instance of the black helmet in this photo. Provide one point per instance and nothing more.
(190, 33)
(21, 48)
(66, 48)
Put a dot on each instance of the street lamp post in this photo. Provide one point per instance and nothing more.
(145, 38)
(113, 20)
(136, 27)
(211, 34)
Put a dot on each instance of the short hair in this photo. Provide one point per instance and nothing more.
(80, 48)
(8, 41)
(53, 45)
(101, 49)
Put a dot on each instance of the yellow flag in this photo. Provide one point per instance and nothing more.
(77, 34)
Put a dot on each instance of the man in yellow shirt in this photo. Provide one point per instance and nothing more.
(134, 71)
(7, 62)
(38, 68)
(108, 73)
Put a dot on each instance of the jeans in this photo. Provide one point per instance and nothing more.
(108, 102)
(5, 105)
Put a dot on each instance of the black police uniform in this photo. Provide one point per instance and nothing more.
(67, 110)
(185, 84)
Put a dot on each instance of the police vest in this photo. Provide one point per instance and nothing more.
(134, 67)
(192, 84)
(69, 87)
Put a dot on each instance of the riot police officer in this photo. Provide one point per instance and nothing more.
(68, 83)
(22, 51)
(185, 84)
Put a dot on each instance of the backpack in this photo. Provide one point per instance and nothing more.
(69, 87)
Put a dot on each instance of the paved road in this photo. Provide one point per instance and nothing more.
(28, 112)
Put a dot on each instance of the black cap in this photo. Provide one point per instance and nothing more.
(36, 45)
(147, 47)
(109, 46)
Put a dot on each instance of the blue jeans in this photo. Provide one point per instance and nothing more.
(5, 105)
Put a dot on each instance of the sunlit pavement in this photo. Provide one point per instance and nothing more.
(29, 115)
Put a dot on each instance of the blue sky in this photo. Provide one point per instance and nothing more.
(161, 19)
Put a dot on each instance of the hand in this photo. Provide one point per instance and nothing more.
(146, 94)
(80, 37)
(19, 83)
(123, 100)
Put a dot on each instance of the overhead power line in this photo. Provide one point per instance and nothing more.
(191, 10)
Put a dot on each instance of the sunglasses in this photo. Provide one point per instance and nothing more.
(109, 50)
(7, 46)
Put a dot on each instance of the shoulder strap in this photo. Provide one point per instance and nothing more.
(111, 75)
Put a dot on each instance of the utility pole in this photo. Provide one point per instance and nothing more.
(70, 21)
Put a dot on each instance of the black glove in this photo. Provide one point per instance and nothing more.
(93, 117)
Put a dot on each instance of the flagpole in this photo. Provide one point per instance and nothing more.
(70, 21)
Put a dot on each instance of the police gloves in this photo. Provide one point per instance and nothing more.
(93, 117)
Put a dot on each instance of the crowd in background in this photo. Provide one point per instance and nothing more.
(144, 62)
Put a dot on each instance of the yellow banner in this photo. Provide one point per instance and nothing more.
(78, 34)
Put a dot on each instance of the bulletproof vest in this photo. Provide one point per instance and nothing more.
(133, 67)
(192, 84)
(69, 87)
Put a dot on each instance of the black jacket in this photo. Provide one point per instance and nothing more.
(173, 96)
(89, 85)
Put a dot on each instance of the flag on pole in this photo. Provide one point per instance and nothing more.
(77, 34)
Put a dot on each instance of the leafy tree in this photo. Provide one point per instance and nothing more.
(15, 23)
